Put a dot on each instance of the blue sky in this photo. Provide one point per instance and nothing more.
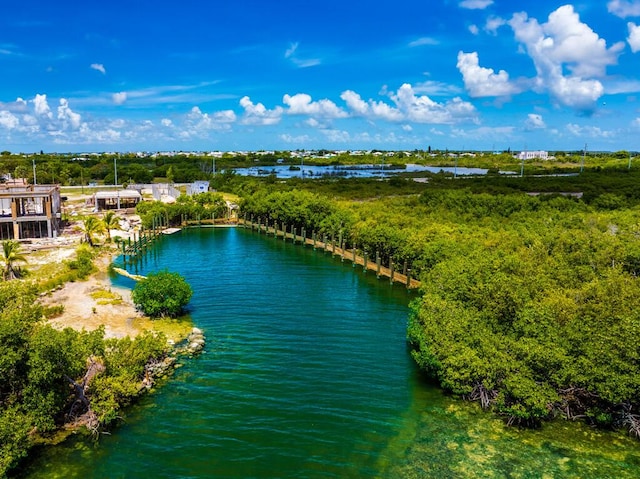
(302, 74)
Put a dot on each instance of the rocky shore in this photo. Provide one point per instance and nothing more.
(192, 346)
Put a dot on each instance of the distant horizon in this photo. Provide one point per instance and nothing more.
(202, 76)
(347, 151)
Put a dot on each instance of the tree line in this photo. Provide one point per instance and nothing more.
(529, 304)
(182, 167)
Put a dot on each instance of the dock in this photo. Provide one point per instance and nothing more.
(396, 273)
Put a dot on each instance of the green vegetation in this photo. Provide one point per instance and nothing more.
(82, 266)
(10, 256)
(110, 222)
(529, 304)
(106, 297)
(50, 377)
(69, 170)
(91, 227)
(187, 208)
(162, 294)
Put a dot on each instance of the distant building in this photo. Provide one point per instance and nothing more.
(113, 200)
(533, 155)
(29, 211)
(197, 187)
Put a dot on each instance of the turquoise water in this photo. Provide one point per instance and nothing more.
(306, 374)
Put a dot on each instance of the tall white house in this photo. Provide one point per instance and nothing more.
(533, 155)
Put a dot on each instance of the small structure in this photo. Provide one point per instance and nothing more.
(113, 200)
(29, 211)
(533, 155)
(232, 210)
(197, 187)
(165, 192)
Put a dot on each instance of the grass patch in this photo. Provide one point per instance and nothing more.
(104, 297)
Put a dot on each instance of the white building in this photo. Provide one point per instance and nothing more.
(197, 187)
(533, 155)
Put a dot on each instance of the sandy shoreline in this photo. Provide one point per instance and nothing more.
(95, 302)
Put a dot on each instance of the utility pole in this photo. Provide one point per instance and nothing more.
(35, 181)
(115, 172)
(584, 153)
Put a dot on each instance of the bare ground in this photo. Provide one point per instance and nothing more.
(84, 311)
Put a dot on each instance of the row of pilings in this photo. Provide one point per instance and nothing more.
(140, 241)
(395, 272)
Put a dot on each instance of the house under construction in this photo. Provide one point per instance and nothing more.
(29, 211)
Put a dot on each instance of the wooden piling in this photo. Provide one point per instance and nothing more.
(391, 266)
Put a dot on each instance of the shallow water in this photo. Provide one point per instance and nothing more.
(352, 171)
(306, 374)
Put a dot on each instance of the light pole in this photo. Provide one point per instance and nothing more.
(115, 171)
(35, 181)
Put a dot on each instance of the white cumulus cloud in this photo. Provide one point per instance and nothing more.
(41, 106)
(197, 123)
(624, 8)
(258, 114)
(8, 120)
(370, 109)
(493, 24)
(119, 98)
(99, 67)
(286, 137)
(589, 131)
(355, 103)
(482, 82)
(534, 122)
(565, 42)
(302, 104)
(422, 109)
(634, 36)
(68, 117)
(408, 106)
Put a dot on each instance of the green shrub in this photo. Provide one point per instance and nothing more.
(83, 264)
(162, 294)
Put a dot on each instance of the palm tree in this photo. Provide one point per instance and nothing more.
(92, 226)
(10, 255)
(110, 222)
